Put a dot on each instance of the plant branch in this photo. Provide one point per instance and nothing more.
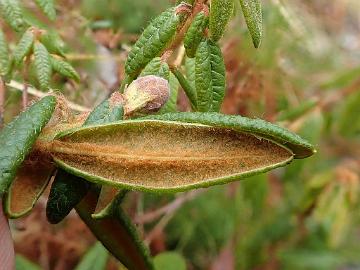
(32, 91)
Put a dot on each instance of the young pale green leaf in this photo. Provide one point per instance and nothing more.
(68, 190)
(24, 46)
(30, 182)
(53, 43)
(94, 259)
(64, 68)
(4, 56)
(190, 71)
(153, 41)
(117, 233)
(188, 89)
(176, 152)
(171, 104)
(48, 7)
(12, 14)
(195, 34)
(18, 137)
(253, 17)
(156, 67)
(21, 263)
(42, 65)
(220, 14)
(209, 76)
(169, 261)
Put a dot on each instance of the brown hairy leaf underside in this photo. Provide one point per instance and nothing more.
(28, 185)
(165, 155)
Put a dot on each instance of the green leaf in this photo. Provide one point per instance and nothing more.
(190, 71)
(30, 182)
(171, 104)
(169, 261)
(299, 111)
(18, 137)
(152, 42)
(64, 68)
(12, 14)
(24, 46)
(94, 259)
(158, 68)
(195, 34)
(253, 17)
(176, 152)
(348, 122)
(21, 263)
(68, 190)
(117, 233)
(189, 90)
(48, 7)
(220, 14)
(4, 56)
(209, 77)
(42, 65)
(53, 43)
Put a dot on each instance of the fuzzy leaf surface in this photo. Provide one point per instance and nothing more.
(253, 17)
(18, 137)
(168, 154)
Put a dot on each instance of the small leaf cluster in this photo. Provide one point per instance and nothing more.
(38, 47)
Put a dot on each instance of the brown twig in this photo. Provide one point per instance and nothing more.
(32, 91)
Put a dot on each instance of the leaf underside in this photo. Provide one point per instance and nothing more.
(170, 156)
(30, 182)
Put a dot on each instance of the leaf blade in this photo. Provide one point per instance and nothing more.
(18, 137)
(42, 65)
(253, 17)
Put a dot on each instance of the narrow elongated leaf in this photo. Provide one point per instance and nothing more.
(18, 137)
(195, 34)
(116, 233)
(53, 43)
(171, 104)
(12, 14)
(188, 89)
(168, 154)
(68, 190)
(4, 56)
(21, 263)
(94, 259)
(220, 14)
(190, 71)
(253, 17)
(30, 182)
(169, 261)
(42, 65)
(64, 68)
(24, 46)
(209, 76)
(107, 196)
(153, 41)
(156, 67)
(48, 7)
